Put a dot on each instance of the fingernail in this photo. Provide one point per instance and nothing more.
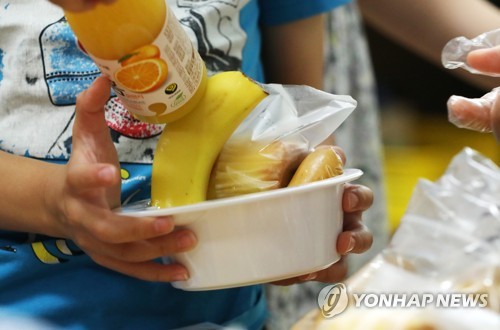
(163, 224)
(183, 276)
(309, 277)
(352, 243)
(185, 240)
(352, 200)
(106, 173)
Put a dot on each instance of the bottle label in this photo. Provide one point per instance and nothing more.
(157, 78)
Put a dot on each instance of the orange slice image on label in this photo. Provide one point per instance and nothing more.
(143, 76)
(142, 53)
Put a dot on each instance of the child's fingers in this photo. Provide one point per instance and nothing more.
(335, 273)
(91, 138)
(141, 250)
(92, 176)
(356, 198)
(90, 222)
(179, 241)
(356, 240)
(341, 154)
(147, 271)
(93, 98)
(90, 107)
(119, 229)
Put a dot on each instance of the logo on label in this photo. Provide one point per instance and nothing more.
(179, 99)
(171, 89)
(333, 300)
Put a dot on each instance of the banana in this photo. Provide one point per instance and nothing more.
(322, 163)
(188, 147)
(245, 167)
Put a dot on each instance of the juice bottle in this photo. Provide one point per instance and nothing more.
(141, 46)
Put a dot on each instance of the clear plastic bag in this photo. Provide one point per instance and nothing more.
(472, 172)
(448, 239)
(266, 149)
(463, 212)
(295, 112)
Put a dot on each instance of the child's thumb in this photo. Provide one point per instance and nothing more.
(90, 105)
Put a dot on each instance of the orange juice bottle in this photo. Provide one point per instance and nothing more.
(141, 46)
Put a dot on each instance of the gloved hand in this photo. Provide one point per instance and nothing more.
(480, 55)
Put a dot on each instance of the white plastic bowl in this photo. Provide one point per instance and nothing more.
(259, 237)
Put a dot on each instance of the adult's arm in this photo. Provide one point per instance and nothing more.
(425, 26)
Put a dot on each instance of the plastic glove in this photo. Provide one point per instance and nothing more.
(480, 55)
(475, 114)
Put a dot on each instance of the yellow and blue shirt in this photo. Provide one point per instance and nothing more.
(42, 70)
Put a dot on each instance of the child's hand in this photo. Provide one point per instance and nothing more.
(79, 5)
(355, 238)
(84, 192)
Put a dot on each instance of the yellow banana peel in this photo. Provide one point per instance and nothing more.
(188, 147)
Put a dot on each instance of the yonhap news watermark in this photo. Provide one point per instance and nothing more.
(334, 299)
(403, 300)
